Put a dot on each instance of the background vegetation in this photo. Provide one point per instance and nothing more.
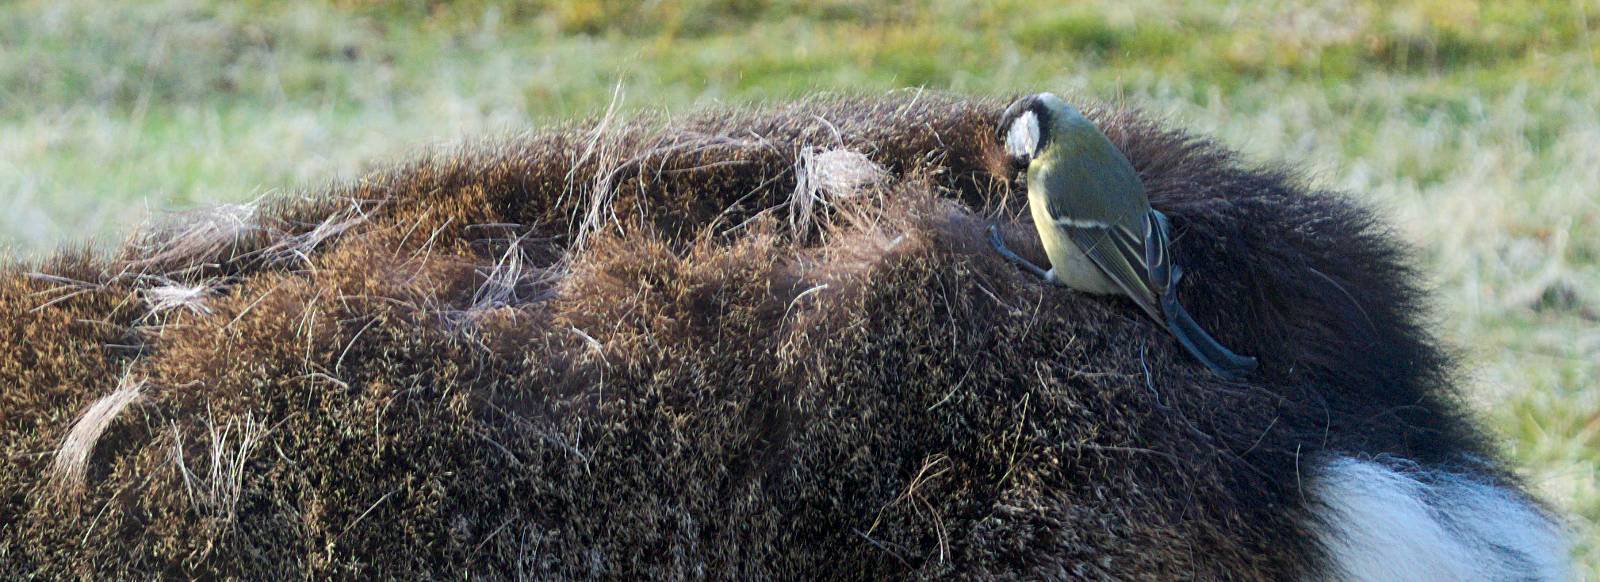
(1476, 125)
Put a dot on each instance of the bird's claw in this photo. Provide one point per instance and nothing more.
(1000, 247)
(995, 239)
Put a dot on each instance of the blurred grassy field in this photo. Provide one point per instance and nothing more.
(1475, 124)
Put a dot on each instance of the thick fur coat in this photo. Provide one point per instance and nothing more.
(745, 344)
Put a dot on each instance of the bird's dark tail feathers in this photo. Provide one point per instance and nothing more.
(1163, 275)
(1220, 360)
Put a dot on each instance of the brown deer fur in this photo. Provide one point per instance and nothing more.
(609, 350)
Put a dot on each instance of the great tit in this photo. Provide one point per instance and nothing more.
(1098, 229)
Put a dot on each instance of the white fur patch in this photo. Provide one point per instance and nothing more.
(1395, 520)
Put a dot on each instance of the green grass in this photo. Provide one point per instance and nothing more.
(1476, 124)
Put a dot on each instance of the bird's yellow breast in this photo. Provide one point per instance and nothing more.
(1069, 265)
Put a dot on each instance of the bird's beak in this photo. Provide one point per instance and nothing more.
(1020, 163)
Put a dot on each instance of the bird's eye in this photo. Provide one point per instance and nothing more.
(1022, 140)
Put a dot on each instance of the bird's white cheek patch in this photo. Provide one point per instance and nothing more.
(1394, 520)
(1023, 137)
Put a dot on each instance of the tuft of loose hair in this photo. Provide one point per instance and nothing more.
(822, 175)
(70, 465)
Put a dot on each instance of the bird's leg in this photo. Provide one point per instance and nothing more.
(1000, 247)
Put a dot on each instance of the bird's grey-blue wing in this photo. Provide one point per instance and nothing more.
(1099, 202)
(1120, 254)
(1157, 256)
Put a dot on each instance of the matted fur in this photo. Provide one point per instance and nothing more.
(605, 350)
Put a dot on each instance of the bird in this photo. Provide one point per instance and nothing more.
(1096, 224)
